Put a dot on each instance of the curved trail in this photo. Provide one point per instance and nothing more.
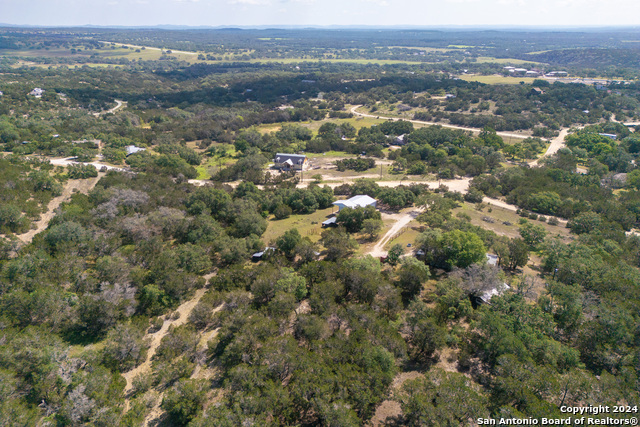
(119, 104)
(355, 111)
(80, 185)
(156, 338)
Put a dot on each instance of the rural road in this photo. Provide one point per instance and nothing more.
(460, 185)
(402, 220)
(69, 161)
(119, 104)
(355, 111)
(556, 144)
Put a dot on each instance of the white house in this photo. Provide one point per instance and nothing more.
(359, 201)
(37, 92)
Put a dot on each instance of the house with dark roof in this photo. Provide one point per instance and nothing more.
(288, 162)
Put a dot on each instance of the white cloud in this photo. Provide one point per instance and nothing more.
(378, 2)
(251, 2)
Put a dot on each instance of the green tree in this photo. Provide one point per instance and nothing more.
(353, 219)
(372, 227)
(338, 243)
(585, 222)
(394, 254)
(533, 234)
(288, 242)
(424, 334)
(513, 254)
(411, 276)
(442, 398)
(185, 400)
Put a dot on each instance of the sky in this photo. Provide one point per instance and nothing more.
(563, 13)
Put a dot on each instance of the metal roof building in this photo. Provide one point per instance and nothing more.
(359, 201)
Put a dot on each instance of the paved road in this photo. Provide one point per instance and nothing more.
(355, 111)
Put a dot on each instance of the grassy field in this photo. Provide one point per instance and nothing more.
(151, 54)
(307, 225)
(408, 236)
(333, 61)
(214, 163)
(497, 80)
(500, 215)
(508, 61)
(357, 122)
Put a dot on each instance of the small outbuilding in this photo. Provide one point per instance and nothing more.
(331, 222)
(492, 259)
(486, 296)
(258, 256)
(132, 149)
(359, 201)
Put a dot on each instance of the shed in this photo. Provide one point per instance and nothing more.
(259, 255)
(492, 259)
(132, 149)
(359, 201)
(331, 222)
(486, 296)
(609, 135)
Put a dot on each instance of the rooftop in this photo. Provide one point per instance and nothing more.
(359, 201)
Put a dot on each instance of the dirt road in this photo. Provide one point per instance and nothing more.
(513, 208)
(80, 185)
(119, 104)
(556, 144)
(402, 220)
(70, 161)
(461, 185)
(355, 111)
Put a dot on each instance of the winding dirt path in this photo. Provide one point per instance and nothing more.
(79, 185)
(155, 338)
